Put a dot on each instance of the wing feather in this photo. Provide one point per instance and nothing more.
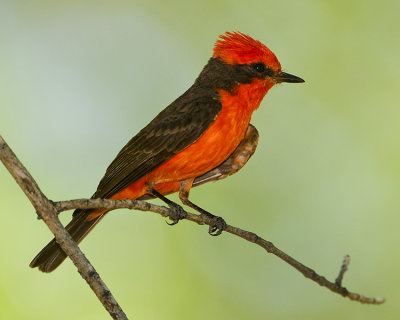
(172, 130)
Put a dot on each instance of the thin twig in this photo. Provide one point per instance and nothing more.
(343, 269)
(249, 236)
(48, 213)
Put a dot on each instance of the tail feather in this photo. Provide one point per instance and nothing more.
(52, 255)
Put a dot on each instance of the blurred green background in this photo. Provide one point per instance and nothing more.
(79, 78)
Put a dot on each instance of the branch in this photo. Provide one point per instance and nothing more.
(48, 213)
(247, 235)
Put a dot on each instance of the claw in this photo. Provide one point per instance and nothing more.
(177, 214)
(217, 226)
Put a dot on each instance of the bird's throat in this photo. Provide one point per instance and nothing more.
(245, 97)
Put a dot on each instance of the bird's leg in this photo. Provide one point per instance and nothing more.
(178, 212)
(217, 223)
(231, 165)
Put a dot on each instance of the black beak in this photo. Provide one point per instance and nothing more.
(287, 77)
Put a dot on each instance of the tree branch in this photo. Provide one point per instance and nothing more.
(48, 211)
(247, 235)
(49, 214)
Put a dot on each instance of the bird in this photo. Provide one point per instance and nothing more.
(204, 135)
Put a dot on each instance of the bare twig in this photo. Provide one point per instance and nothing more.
(343, 269)
(249, 236)
(47, 211)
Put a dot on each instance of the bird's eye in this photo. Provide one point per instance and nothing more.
(259, 67)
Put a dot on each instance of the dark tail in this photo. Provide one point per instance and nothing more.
(52, 255)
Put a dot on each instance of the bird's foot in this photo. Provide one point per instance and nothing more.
(177, 213)
(217, 224)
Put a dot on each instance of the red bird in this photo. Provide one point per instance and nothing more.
(203, 135)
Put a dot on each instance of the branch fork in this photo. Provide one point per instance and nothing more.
(48, 211)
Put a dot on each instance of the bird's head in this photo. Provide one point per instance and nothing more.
(238, 49)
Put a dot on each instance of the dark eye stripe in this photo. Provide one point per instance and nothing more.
(259, 67)
(262, 69)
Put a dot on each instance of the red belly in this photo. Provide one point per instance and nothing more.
(213, 147)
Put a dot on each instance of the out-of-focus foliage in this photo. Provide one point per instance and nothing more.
(79, 78)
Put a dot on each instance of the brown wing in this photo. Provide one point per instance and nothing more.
(172, 130)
